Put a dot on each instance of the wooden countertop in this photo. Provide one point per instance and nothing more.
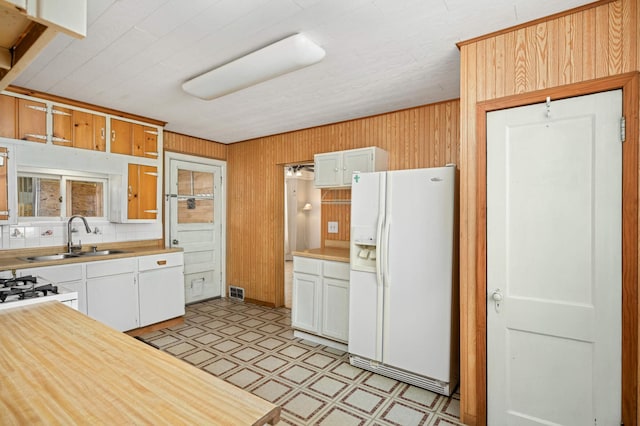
(15, 259)
(58, 366)
(337, 254)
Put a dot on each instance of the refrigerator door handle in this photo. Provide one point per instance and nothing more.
(379, 250)
(385, 250)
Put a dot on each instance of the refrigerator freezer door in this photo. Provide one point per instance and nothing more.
(365, 290)
(418, 283)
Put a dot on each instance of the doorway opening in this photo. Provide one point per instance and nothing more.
(301, 217)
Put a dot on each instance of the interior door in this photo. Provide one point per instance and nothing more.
(196, 226)
(554, 256)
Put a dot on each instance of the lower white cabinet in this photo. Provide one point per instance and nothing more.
(160, 287)
(306, 296)
(320, 298)
(123, 293)
(112, 293)
(335, 314)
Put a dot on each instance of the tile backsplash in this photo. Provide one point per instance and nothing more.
(44, 234)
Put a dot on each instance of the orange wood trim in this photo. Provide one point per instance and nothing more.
(534, 22)
(158, 326)
(53, 98)
(481, 267)
(260, 302)
(629, 84)
(630, 253)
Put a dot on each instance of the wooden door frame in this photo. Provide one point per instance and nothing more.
(629, 83)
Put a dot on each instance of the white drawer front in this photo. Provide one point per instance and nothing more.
(111, 267)
(307, 265)
(59, 274)
(339, 270)
(156, 261)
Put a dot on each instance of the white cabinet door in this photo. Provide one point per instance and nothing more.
(335, 309)
(113, 300)
(334, 169)
(357, 160)
(305, 311)
(112, 293)
(328, 169)
(161, 295)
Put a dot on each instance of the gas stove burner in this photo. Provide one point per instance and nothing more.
(24, 288)
(8, 282)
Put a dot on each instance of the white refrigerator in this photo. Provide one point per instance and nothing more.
(402, 302)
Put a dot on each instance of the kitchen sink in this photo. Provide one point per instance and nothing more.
(99, 252)
(61, 256)
(46, 257)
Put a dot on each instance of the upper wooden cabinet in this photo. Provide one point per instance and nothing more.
(133, 195)
(121, 137)
(4, 185)
(133, 139)
(74, 125)
(149, 147)
(79, 129)
(8, 187)
(8, 116)
(89, 131)
(32, 120)
(62, 126)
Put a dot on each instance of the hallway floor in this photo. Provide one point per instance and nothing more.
(253, 347)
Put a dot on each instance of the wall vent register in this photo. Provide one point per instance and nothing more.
(236, 293)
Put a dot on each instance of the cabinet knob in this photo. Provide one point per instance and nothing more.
(161, 262)
(174, 241)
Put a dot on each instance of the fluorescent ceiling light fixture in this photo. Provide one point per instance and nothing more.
(284, 56)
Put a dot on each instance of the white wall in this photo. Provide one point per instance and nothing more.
(303, 227)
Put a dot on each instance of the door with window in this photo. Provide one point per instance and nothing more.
(196, 223)
(554, 262)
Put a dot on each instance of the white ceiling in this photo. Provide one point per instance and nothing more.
(381, 56)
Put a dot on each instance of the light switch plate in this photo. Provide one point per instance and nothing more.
(333, 228)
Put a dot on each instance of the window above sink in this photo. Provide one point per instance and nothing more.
(48, 194)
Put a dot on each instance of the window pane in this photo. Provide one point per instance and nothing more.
(85, 198)
(38, 197)
(195, 183)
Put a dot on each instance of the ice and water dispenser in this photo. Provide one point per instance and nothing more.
(364, 252)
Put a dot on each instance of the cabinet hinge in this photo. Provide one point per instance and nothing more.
(623, 129)
(57, 111)
(37, 108)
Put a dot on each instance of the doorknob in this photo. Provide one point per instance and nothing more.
(174, 241)
(497, 298)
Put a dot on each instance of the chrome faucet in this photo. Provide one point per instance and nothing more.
(75, 247)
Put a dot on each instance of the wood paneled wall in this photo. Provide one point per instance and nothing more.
(184, 144)
(426, 136)
(333, 210)
(580, 46)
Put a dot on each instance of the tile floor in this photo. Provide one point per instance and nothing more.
(253, 347)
